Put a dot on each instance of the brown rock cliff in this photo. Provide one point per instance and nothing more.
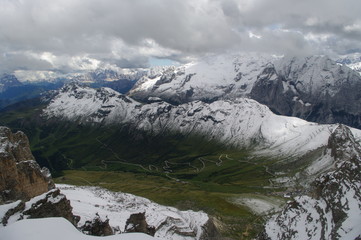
(20, 175)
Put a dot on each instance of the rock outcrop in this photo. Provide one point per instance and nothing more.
(97, 227)
(49, 204)
(210, 231)
(137, 223)
(20, 175)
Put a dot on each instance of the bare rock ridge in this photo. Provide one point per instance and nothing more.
(332, 209)
(20, 175)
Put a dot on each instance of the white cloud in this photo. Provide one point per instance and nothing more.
(23, 75)
(72, 35)
(252, 35)
(356, 27)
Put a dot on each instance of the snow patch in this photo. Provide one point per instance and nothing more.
(56, 229)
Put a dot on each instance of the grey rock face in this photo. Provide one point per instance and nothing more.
(315, 89)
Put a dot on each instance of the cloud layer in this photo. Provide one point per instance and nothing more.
(72, 35)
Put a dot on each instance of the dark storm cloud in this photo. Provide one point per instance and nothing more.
(127, 32)
(88, 25)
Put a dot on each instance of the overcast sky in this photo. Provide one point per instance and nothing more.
(74, 35)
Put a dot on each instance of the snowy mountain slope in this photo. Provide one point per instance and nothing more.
(89, 105)
(169, 222)
(207, 79)
(231, 76)
(313, 88)
(241, 122)
(56, 229)
(332, 209)
(107, 75)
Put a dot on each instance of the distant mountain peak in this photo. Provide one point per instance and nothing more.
(353, 61)
(7, 81)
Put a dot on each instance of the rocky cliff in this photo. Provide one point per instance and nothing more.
(20, 175)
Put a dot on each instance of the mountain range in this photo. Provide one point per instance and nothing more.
(313, 88)
(13, 91)
(307, 152)
(217, 128)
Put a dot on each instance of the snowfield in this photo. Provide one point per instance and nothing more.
(56, 229)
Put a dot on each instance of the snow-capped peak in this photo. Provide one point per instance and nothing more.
(207, 78)
(353, 61)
